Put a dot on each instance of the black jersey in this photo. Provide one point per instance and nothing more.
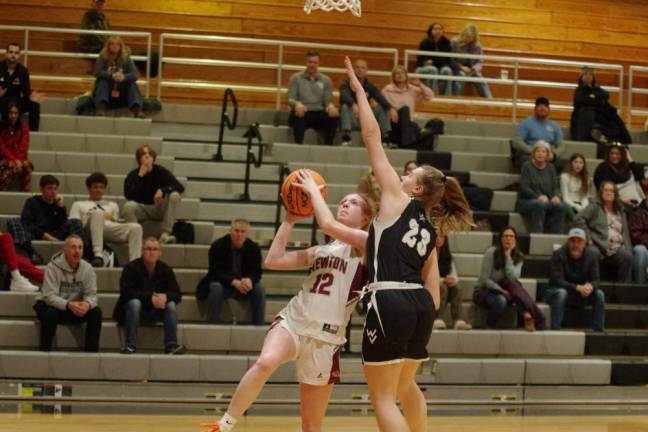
(397, 252)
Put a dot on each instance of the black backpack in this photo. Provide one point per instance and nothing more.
(183, 232)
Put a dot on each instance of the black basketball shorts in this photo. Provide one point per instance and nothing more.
(398, 326)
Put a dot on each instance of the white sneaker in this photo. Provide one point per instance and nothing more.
(166, 238)
(21, 284)
(439, 325)
(462, 325)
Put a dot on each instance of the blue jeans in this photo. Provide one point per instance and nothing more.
(434, 83)
(543, 214)
(640, 265)
(129, 94)
(496, 304)
(135, 313)
(349, 122)
(218, 294)
(558, 298)
(481, 86)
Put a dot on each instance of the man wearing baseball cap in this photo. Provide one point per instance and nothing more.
(574, 281)
(536, 128)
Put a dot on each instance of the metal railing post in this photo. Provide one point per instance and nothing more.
(160, 62)
(620, 104)
(280, 61)
(26, 48)
(148, 66)
(515, 91)
(630, 84)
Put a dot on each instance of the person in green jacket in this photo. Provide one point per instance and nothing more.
(94, 19)
(539, 198)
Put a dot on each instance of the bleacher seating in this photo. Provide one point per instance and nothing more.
(184, 137)
(184, 133)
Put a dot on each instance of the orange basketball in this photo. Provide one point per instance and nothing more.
(297, 201)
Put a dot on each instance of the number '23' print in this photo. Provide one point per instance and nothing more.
(323, 281)
(410, 237)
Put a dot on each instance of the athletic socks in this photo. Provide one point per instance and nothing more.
(227, 423)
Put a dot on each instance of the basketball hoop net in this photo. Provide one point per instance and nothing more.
(337, 5)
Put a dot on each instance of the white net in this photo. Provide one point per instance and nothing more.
(331, 5)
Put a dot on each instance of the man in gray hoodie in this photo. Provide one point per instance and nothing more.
(69, 296)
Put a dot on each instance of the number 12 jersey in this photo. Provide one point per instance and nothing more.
(323, 307)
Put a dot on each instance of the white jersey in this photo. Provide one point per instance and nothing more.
(81, 209)
(323, 307)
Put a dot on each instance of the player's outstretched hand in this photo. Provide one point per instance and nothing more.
(353, 79)
(307, 183)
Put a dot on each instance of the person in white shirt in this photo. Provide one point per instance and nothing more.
(100, 218)
(575, 185)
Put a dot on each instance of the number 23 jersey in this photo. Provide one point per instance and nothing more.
(397, 251)
(323, 307)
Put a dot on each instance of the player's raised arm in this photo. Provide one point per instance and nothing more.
(325, 219)
(278, 257)
(388, 180)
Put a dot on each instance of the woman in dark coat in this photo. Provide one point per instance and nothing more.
(593, 116)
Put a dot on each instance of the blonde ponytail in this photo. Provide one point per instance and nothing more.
(444, 202)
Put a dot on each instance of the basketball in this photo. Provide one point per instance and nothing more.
(297, 201)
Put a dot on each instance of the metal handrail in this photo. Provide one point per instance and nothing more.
(225, 121)
(283, 171)
(26, 52)
(279, 65)
(252, 134)
(632, 90)
(515, 82)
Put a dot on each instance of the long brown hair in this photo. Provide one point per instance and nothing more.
(443, 201)
(583, 175)
(122, 58)
(617, 204)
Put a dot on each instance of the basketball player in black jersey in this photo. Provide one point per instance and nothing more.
(403, 275)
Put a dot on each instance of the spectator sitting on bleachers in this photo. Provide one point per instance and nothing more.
(410, 166)
(403, 94)
(593, 117)
(468, 43)
(94, 19)
(638, 225)
(149, 291)
(574, 281)
(498, 284)
(14, 145)
(99, 217)
(15, 87)
(153, 194)
(536, 128)
(116, 83)
(17, 266)
(605, 223)
(310, 96)
(433, 65)
(619, 168)
(69, 296)
(369, 187)
(539, 196)
(451, 291)
(349, 108)
(575, 185)
(43, 217)
(234, 272)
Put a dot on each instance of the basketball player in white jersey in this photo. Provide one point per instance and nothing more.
(403, 275)
(310, 330)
